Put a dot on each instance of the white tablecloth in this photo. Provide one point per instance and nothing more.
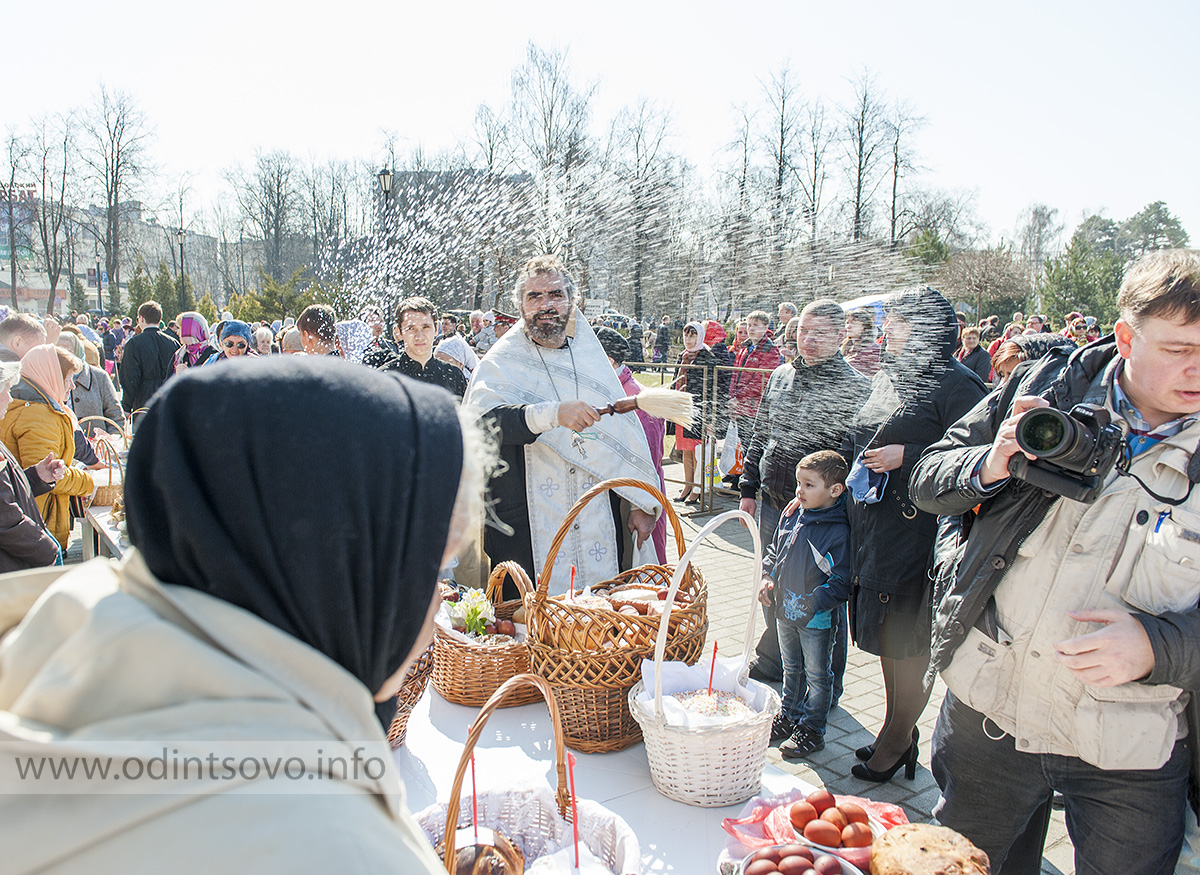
(518, 742)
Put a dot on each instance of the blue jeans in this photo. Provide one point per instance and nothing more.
(807, 674)
(1120, 822)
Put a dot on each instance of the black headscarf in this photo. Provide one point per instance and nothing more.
(327, 517)
(929, 351)
(615, 346)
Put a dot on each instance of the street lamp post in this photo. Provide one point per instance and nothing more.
(99, 283)
(179, 237)
(385, 185)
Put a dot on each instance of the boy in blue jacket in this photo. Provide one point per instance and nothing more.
(806, 572)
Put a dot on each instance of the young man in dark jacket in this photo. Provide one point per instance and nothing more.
(808, 406)
(1067, 631)
(148, 361)
(806, 574)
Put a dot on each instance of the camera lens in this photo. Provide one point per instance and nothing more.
(1043, 432)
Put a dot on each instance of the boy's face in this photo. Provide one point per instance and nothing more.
(812, 492)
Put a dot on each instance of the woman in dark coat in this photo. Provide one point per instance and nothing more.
(692, 380)
(919, 393)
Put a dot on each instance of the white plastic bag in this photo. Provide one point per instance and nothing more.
(731, 453)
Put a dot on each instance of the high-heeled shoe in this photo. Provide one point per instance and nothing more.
(865, 753)
(909, 761)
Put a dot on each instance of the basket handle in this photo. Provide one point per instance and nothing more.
(109, 454)
(120, 428)
(495, 584)
(660, 640)
(543, 585)
(510, 686)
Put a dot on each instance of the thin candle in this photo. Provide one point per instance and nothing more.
(474, 795)
(574, 810)
(712, 669)
(572, 583)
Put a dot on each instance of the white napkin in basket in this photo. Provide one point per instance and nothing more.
(679, 677)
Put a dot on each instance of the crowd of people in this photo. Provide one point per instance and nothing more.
(881, 456)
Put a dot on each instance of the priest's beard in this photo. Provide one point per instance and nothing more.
(548, 327)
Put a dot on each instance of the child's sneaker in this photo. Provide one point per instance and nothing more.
(801, 743)
(781, 728)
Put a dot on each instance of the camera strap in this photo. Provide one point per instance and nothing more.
(1193, 472)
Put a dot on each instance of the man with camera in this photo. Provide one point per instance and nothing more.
(1067, 573)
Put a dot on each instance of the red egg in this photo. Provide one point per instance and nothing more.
(796, 865)
(820, 800)
(827, 864)
(801, 813)
(857, 835)
(795, 850)
(761, 867)
(835, 817)
(854, 812)
(771, 854)
(822, 832)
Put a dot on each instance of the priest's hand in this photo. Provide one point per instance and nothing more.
(577, 415)
(641, 524)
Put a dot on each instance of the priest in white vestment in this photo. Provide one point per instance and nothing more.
(540, 385)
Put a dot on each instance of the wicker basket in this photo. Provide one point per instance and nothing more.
(536, 823)
(709, 765)
(109, 494)
(410, 693)
(592, 656)
(467, 674)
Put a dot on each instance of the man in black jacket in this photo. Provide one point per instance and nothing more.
(148, 361)
(807, 406)
(415, 321)
(1067, 631)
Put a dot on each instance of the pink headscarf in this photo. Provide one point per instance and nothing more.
(41, 368)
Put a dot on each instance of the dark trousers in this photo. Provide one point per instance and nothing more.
(1120, 822)
(766, 653)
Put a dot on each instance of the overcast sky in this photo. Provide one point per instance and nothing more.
(1089, 105)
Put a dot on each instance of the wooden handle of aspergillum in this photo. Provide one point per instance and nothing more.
(625, 405)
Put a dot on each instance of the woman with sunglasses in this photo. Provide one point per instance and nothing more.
(236, 340)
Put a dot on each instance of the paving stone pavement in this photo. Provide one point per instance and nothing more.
(727, 562)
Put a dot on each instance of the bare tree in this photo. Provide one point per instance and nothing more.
(116, 135)
(493, 140)
(901, 123)
(549, 124)
(813, 171)
(643, 165)
(864, 139)
(16, 152)
(986, 275)
(270, 201)
(782, 142)
(1038, 236)
(54, 144)
(737, 228)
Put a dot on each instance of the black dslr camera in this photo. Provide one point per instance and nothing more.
(1074, 451)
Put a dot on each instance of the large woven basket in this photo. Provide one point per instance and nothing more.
(467, 674)
(415, 681)
(592, 656)
(536, 822)
(709, 765)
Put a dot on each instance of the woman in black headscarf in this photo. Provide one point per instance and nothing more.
(258, 605)
(919, 393)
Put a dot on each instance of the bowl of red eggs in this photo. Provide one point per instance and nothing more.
(796, 859)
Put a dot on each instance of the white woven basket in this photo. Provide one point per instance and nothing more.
(710, 765)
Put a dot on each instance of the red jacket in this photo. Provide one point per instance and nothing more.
(746, 388)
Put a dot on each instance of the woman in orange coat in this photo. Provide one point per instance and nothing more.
(40, 423)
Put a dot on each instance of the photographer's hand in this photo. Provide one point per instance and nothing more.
(1118, 653)
(1005, 446)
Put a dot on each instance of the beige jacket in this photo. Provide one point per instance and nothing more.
(1113, 554)
(108, 658)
